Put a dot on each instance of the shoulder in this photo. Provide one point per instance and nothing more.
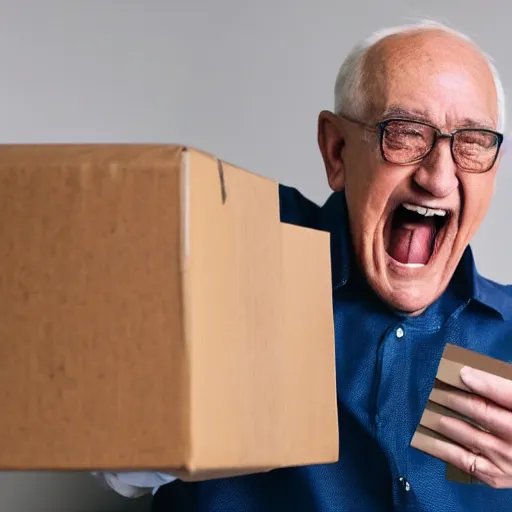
(506, 289)
(496, 295)
(295, 208)
(492, 286)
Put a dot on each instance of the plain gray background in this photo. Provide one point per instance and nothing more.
(242, 79)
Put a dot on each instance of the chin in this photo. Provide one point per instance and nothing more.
(411, 302)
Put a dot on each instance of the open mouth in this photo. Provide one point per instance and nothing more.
(414, 233)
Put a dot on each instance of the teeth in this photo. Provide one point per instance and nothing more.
(414, 265)
(422, 210)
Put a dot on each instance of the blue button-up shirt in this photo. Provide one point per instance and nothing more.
(386, 365)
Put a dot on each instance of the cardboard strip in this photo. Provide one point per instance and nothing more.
(424, 438)
(465, 357)
(434, 411)
(437, 403)
(448, 380)
(449, 373)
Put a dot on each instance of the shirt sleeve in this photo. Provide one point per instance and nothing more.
(132, 484)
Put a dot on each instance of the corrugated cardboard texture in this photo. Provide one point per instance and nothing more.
(448, 378)
(307, 379)
(155, 314)
(234, 308)
(239, 249)
(90, 308)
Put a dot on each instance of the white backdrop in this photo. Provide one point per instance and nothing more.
(244, 80)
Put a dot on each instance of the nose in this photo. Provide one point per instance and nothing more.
(438, 172)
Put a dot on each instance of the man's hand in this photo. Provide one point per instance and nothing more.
(485, 453)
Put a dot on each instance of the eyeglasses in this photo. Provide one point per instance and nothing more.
(404, 142)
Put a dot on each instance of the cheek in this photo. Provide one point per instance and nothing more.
(368, 192)
(366, 175)
(478, 192)
(369, 184)
(376, 183)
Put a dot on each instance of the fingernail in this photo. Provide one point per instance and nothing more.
(467, 376)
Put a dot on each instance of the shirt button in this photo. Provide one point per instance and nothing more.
(405, 484)
(399, 333)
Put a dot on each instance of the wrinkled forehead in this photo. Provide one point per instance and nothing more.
(437, 77)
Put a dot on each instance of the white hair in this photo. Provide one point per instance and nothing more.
(349, 89)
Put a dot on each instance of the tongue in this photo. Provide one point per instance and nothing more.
(412, 243)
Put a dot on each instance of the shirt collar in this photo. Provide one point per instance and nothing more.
(483, 291)
(467, 282)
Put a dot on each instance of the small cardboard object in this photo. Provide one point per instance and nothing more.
(448, 378)
(155, 314)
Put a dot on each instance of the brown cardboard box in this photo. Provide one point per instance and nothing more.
(448, 378)
(156, 314)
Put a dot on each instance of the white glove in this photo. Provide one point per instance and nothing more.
(133, 484)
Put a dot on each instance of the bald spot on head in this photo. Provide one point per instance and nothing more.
(434, 72)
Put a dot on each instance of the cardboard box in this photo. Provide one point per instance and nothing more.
(448, 378)
(156, 314)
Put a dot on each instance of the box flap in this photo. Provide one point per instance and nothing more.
(233, 290)
(258, 313)
(309, 429)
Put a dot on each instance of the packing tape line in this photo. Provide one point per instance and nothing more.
(222, 181)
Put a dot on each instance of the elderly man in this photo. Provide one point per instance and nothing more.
(411, 155)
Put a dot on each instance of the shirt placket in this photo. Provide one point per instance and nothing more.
(391, 408)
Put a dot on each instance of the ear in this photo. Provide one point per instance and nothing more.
(331, 141)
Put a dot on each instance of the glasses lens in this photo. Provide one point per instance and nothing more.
(475, 150)
(406, 141)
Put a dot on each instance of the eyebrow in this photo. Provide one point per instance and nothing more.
(413, 114)
(423, 115)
